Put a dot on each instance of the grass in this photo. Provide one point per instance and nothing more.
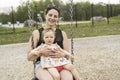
(21, 35)
(99, 28)
(7, 36)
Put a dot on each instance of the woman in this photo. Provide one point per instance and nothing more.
(51, 16)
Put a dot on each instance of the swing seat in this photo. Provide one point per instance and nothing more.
(37, 78)
(34, 78)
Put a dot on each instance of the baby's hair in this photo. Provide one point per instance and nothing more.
(47, 30)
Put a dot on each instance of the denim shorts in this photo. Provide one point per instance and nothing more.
(37, 64)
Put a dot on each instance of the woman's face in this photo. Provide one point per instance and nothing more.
(52, 17)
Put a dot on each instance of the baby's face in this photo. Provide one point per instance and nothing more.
(49, 37)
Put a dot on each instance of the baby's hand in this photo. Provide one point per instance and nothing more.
(53, 49)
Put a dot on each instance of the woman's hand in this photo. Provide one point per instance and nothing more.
(56, 53)
(46, 51)
(50, 52)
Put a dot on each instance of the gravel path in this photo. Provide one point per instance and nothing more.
(96, 58)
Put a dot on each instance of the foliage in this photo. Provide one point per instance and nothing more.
(7, 36)
(81, 10)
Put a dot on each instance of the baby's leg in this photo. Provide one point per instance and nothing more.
(55, 74)
(71, 68)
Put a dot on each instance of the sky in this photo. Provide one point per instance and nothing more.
(15, 3)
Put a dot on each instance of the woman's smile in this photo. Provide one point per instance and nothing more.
(52, 21)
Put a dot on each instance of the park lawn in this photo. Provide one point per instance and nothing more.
(98, 29)
(7, 36)
(21, 35)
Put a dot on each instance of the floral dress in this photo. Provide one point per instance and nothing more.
(47, 62)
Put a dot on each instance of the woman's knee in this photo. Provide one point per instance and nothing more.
(66, 75)
(43, 74)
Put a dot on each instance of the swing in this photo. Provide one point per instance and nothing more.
(71, 28)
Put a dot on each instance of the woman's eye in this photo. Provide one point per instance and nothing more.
(50, 15)
(55, 16)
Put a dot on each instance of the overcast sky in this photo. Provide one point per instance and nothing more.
(15, 3)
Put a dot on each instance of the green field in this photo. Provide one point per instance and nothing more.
(21, 35)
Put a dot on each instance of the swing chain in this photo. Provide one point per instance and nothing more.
(71, 25)
(29, 16)
(30, 23)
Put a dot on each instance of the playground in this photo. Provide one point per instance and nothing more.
(96, 58)
(95, 44)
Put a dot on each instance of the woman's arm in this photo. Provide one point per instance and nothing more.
(65, 41)
(65, 46)
(33, 53)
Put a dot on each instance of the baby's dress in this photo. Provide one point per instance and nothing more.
(47, 62)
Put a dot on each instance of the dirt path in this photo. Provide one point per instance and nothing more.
(96, 58)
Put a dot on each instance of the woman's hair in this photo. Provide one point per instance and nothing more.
(52, 7)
